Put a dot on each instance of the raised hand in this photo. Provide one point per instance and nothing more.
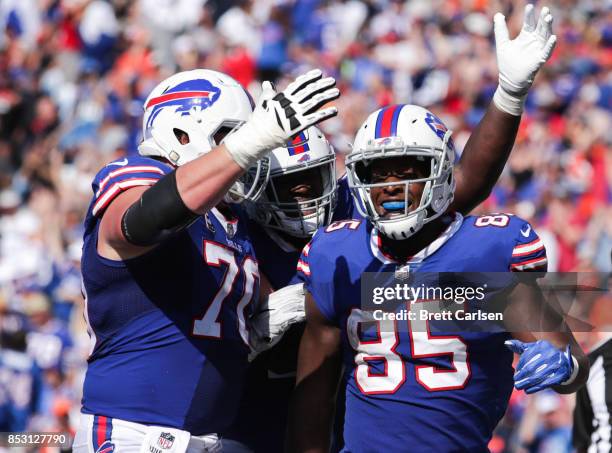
(279, 116)
(520, 59)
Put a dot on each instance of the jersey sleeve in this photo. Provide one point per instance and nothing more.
(344, 206)
(311, 269)
(528, 253)
(121, 175)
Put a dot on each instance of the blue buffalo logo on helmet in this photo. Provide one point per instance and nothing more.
(436, 125)
(186, 95)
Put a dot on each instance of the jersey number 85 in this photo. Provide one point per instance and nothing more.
(423, 345)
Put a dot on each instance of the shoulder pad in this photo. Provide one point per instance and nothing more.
(123, 174)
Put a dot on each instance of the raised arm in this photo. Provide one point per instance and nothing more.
(489, 146)
(319, 365)
(484, 158)
(140, 218)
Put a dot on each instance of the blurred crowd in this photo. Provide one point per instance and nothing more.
(74, 75)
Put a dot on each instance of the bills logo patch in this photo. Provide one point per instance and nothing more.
(304, 158)
(106, 447)
(197, 93)
(386, 141)
(165, 441)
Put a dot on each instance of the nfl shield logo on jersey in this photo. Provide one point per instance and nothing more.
(209, 223)
(231, 231)
(165, 441)
(402, 273)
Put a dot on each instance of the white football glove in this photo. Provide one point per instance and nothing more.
(274, 316)
(521, 58)
(279, 116)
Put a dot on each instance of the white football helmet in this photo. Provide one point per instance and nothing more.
(308, 150)
(207, 106)
(403, 130)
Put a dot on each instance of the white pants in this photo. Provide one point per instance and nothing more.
(98, 434)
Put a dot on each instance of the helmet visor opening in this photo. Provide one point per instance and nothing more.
(412, 169)
(298, 191)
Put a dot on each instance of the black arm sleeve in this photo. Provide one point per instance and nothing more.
(159, 213)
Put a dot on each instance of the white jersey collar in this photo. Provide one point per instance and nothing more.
(424, 253)
(230, 226)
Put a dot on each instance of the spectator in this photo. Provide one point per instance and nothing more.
(546, 424)
(74, 75)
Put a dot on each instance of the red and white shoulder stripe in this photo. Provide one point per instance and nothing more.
(103, 201)
(302, 266)
(127, 171)
(532, 264)
(530, 248)
(530, 256)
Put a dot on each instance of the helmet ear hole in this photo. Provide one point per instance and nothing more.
(181, 136)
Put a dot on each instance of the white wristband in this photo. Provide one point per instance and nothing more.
(572, 377)
(507, 102)
(244, 146)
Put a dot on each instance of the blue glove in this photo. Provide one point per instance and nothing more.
(541, 365)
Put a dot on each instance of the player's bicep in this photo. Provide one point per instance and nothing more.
(112, 243)
(265, 287)
(320, 343)
(472, 186)
(483, 158)
(318, 374)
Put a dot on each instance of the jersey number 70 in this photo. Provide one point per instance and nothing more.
(423, 345)
(217, 255)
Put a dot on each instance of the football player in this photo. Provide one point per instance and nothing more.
(300, 197)
(405, 385)
(169, 272)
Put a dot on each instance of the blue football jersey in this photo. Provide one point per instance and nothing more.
(262, 419)
(277, 258)
(168, 327)
(345, 203)
(407, 387)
